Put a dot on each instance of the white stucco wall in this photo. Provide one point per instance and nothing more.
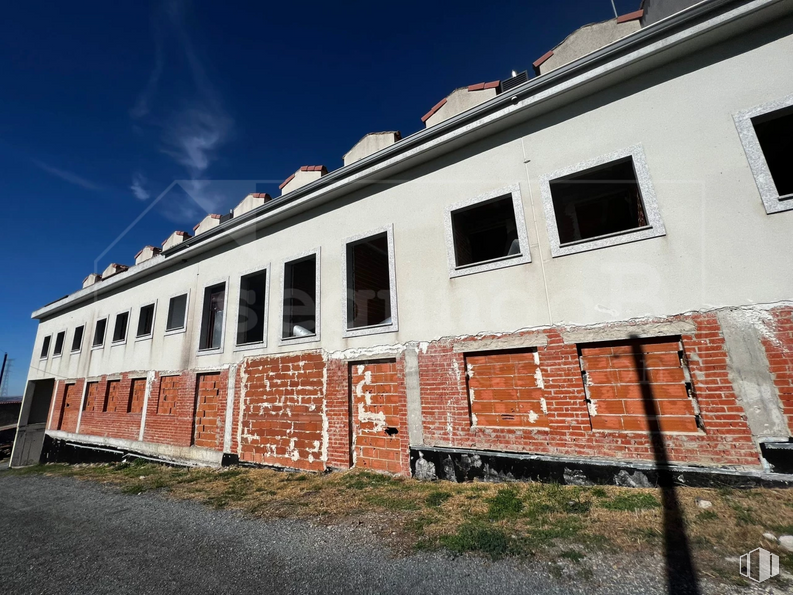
(459, 101)
(721, 248)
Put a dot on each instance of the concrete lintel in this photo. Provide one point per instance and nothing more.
(747, 366)
(192, 455)
(618, 332)
(413, 391)
(500, 343)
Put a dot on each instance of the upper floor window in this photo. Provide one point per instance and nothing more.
(600, 203)
(45, 347)
(370, 284)
(145, 321)
(120, 327)
(300, 303)
(177, 313)
(487, 232)
(212, 317)
(77, 340)
(252, 311)
(766, 133)
(99, 333)
(59, 340)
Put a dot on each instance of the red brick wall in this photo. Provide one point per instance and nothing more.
(68, 399)
(168, 395)
(92, 399)
(726, 439)
(114, 421)
(505, 389)
(779, 351)
(379, 412)
(176, 426)
(112, 402)
(207, 431)
(137, 395)
(282, 411)
(337, 408)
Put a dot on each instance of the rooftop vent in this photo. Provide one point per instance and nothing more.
(113, 269)
(251, 202)
(146, 253)
(370, 144)
(207, 223)
(305, 175)
(460, 100)
(175, 239)
(514, 80)
(91, 279)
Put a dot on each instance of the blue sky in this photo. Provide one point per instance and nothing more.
(104, 104)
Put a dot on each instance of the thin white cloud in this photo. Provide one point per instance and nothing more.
(68, 176)
(139, 187)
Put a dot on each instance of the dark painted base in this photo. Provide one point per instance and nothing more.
(466, 465)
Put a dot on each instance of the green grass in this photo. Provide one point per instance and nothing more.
(436, 499)
(572, 555)
(391, 502)
(477, 537)
(505, 504)
(631, 502)
(706, 515)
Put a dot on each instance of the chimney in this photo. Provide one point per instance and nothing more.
(113, 269)
(305, 175)
(91, 279)
(460, 100)
(147, 253)
(175, 239)
(370, 144)
(251, 202)
(207, 223)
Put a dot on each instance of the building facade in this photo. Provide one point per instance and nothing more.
(577, 268)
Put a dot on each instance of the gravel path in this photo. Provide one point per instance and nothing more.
(61, 535)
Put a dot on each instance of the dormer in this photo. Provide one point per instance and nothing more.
(370, 144)
(251, 202)
(175, 239)
(460, 100)
(113, 269)
(91, 280)
(147, 253)
(206, 224)
(305, 175)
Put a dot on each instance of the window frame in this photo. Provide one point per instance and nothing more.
(46, 342)
(266, 269)
(82, 338)
(101, 345)
(123, 341)
(148, 336)
(377, 328)
(316, 337)
(655, 225)
(499, 263)
(63, 345)
(214, 350)
(183, 328)
(772, 200)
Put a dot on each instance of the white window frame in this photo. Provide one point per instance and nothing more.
(46, 356)
(505, 261)
(655, 225)
(104, 335)
(126, 333)
(377, 328)
(63, 347)
(316, 337)
(263, 343)
(82, 339)
(183, 328)
(772, 201)
(214, 350)
(153, 321)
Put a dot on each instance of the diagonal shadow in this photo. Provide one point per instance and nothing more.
(681, 576)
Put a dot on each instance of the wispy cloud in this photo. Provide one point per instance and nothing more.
(68, 176)
(139, 186)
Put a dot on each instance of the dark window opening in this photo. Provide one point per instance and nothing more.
(485, 231)
(300, 298)
(77, 341)
(250, 318)
(368, 283)
(120, 329)
(177, 309)
(45, 347)
(146, 320)
(212, 318)
(775, 133)
(598, 202)
(59, 340)
(99, 333)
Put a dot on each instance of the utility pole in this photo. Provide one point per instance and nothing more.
(4, 371)
(614, 6)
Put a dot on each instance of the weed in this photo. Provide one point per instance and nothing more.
(505, 504)
(556, 570)
(631, 502)
(477, 537)
(390, 502)
(436, 499)
(706, 515)
(599, 493)
(572, 555)
(743, 514)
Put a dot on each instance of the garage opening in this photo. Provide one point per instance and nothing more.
(32, 423)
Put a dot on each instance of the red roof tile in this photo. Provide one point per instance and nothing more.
(476, 87)
(631, 16)
(437, 106)
(539, 62)
(285, 182)
(492, 85)
(155, 250)
(263, 195)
